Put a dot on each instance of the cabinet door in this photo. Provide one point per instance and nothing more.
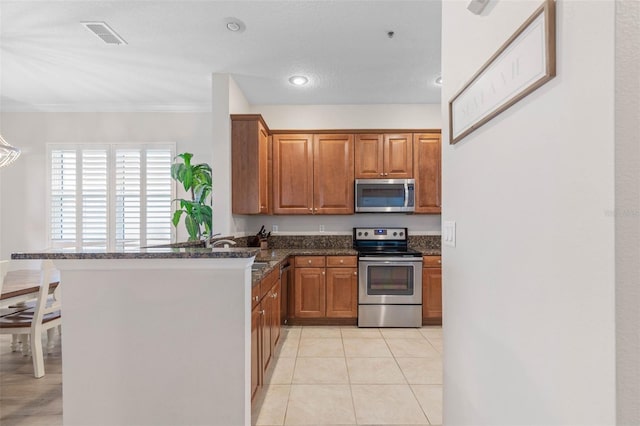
(275, 315)
(426, 168)
(369, 151)
(333, 174)
(431, 294)
(249, 165)
(310, 293)
(342, 292)
(265, 338)
(398, 156)
(256, 365)
(264, 175)
(293, 174)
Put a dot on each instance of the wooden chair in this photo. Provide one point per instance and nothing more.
(45, 315)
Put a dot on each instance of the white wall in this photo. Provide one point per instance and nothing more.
(529, 289)
(23, 184)
(627, 214)
(227, 98)
(206, 135)
(311, 117)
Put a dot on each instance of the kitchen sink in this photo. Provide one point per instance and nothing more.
(259, 265)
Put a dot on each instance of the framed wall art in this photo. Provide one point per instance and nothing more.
(522, 64)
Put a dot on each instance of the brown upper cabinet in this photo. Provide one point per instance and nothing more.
(313, 174)
(250, 165)
(426, 161)
(384, 156)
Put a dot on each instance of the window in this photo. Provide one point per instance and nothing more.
(110, 197)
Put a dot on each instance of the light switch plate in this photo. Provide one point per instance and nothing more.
(274, 228)
(449, 233)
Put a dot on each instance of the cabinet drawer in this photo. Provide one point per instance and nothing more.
(338, 261)
(431, 261)
(268, 281)
(309, 261)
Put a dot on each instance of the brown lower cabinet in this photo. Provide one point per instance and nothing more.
(265, 328)
(432, 290)
(325, 287)
(256, 365)
(342, 293)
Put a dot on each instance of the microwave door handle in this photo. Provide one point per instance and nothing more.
(406, 195)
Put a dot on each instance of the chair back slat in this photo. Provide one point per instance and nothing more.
(46, 276)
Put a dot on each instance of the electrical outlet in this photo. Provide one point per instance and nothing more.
(321, 228)
(274, 228)
(449, 233)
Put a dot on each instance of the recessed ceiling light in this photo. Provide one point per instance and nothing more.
(298, 80)
(438, 81)
(233, 26)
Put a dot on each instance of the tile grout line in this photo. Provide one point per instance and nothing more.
(408, 384)
(353, 403)
(295, 362)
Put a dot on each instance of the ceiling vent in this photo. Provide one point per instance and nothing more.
(105, 32)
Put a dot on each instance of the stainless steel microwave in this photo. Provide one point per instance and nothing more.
(385, 195)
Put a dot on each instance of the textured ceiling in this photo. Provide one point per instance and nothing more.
(49, 61)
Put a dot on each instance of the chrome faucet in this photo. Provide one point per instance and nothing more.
(225, 242)
(207, 239)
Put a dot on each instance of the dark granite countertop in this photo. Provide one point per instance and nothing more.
(428, 251)
(74, 253)
(272, 257)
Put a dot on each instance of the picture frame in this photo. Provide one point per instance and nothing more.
(526, 61)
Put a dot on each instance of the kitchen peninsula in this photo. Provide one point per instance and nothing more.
(155, 336)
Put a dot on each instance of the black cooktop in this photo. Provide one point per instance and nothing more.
(385, 251)
(382, 242)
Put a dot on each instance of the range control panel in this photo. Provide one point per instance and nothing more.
(396, 234)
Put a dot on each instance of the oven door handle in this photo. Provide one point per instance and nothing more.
(377, 259)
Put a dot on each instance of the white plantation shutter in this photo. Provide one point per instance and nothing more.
(63, 196)
(158, 196)
(111, 197)
(94, 193)
(128, 194)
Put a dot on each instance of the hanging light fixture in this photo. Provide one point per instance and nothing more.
(8, 153)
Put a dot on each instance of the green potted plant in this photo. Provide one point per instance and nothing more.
(196, 180)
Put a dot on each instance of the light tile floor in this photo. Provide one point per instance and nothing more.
(323, 376)
(352, 376)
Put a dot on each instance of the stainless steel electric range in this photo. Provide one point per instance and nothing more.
(389, 278)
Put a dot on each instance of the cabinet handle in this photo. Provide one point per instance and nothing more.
(322, 272)
(261, 312)
(355, 273)
(256, 298)
(381, 174)
(386, 174)
(274, 295)
(309, 262)
(316, 209)
(341, 260)
(310, 209)
(262, 207)
(439, 261)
